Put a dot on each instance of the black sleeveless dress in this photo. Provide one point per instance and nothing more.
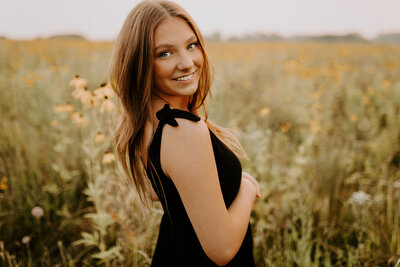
(177, 243)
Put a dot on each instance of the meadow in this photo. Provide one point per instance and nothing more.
(319, 121)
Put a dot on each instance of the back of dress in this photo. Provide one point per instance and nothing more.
(177, 243)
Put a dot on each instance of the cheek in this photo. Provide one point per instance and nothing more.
(199, 60)
(161, 71)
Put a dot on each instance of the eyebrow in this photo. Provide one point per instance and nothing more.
(190, 39)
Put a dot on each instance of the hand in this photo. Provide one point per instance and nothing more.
(246, 175)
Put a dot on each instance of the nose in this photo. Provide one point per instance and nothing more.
(185, 61)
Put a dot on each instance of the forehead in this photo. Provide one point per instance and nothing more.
(171, 31)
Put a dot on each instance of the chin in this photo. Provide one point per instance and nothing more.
(187, 91)
(192, 91)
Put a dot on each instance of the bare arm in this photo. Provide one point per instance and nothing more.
(187, 158)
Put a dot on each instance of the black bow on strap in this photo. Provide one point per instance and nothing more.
(168, 115)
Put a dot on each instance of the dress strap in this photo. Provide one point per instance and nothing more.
(168, 115)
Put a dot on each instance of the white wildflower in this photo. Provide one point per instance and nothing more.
(379, 198)
(37, 212)
(301, 160)
(360, 197)
(26, 239)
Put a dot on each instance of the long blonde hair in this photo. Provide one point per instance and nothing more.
(131, 76)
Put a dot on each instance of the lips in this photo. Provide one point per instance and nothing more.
(185, 77)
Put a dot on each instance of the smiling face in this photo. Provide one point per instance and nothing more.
(178, 61)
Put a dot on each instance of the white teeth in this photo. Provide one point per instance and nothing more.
(185, 78)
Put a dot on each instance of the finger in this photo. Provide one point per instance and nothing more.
(257, 190)
(253, 180)
(246, 174)
(256, 186)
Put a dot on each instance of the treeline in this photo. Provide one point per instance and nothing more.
(55, 37)
(390, 38)
(350, 37)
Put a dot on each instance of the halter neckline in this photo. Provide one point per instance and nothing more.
(166, 115)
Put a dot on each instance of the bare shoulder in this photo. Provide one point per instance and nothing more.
(185, 145)
(186, 131)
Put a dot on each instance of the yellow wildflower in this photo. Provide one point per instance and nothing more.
(307, 72)
(353, 118)
(53, 68)
(69, 107)
(317, 106)
(317, 94)
(64, 68)
(270, 89)
(290, 66)
(60, 108)
(246, 84)
(100, 137)
(265, 111)
(315, 126)
(285, 126)
(94, 101)
(373, 145)
(366, 99)
(78, 119)
(288, 98)
(4, 184)
(108, 157)
(107, 105)
(16, 64)
(78, 82)
(385, 83)
(77, 92)
(390, 65)
(104, 90)
(29, 80)
(336, 81)
(235, 129)
(86, 97)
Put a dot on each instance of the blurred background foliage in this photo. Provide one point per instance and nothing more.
(320, 123)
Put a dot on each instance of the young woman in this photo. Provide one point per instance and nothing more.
(161, 72)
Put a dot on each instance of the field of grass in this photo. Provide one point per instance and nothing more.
(320, 123)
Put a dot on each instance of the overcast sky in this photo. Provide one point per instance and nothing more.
(102, 19)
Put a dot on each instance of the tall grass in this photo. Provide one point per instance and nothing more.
(320, 123)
